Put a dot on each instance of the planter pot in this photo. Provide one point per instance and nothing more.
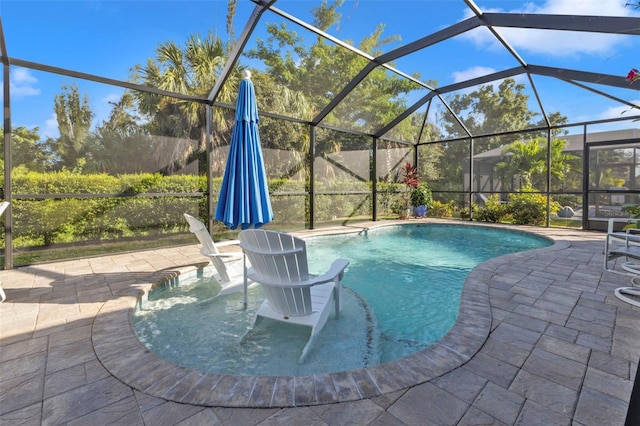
(420, 211)
(404, 214)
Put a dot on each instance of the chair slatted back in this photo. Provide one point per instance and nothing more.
(279, 258)
(208, 246)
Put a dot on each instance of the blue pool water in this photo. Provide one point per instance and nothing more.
(402, 293)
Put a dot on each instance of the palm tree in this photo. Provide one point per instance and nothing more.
(525, 159)
(191, 70)
(528, 161)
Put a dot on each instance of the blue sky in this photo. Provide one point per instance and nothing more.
(107, 38)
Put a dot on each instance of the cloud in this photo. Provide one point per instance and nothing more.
(478, 71)
(557, 43)
(622, 110)
(470, 73)
(51, 127)
(112, 98)
(23, 83)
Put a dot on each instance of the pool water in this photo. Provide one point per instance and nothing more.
(402, 294)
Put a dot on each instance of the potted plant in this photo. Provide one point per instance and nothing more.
(421, 199)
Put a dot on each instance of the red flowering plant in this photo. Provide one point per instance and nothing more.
(410, 179)
(633, 76)
(410, 175)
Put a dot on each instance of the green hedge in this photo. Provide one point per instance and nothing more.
(101, 207)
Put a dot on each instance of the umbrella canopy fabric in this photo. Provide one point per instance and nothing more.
(244, 196)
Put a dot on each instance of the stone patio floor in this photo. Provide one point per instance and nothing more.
(558, 349)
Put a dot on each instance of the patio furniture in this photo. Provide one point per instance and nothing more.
(279, 263)
(624, 244)
(620, 243)
(230, 274)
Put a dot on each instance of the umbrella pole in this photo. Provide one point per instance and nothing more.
(244, 266)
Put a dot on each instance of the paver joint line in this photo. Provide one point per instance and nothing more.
(575, 351)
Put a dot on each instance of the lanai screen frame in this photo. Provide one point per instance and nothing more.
(591, 24)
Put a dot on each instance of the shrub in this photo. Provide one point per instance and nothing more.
(421, 195)
(440, 209)
(465, 213)
(528, 207)
(493, 211)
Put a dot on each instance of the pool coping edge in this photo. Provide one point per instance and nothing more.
(126, 358)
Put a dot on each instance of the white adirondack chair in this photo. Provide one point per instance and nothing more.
(279, 263)
(230, 274)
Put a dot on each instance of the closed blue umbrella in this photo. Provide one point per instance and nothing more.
(244, 196)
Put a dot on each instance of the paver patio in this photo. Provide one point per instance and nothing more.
(559, 349)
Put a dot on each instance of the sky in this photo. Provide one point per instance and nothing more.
(107, 38)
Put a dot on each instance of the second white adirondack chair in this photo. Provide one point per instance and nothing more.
(279, 263)
(230, 274)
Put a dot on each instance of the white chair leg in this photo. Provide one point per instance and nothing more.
(250, 329)
(623, 292)
(307, 348)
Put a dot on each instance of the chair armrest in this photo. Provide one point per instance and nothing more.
(337, 268)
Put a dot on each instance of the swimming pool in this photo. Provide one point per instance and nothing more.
(403, 290)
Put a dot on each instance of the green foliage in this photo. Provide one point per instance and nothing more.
(440, 209)
(113, 210)
(493, 211)
(529, 207)
(526, 207)
(100, 207)
(465, 213)
(74, 116)
(192, 70)
(634, 213)
(388, 198)
(528, 161)
(317, 70)
(27, 150)
(633, 209)
(485, 111)
(421, 195)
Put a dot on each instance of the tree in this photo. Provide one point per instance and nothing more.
(528, 161)
(485, 111)
(120, 144)
(315, 71)
(191, 70)
(28, 150)
(74, 116)
(320, 71)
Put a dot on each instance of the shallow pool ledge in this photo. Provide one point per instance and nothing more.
(125, 357)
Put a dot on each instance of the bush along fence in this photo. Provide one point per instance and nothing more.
(65, 208)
